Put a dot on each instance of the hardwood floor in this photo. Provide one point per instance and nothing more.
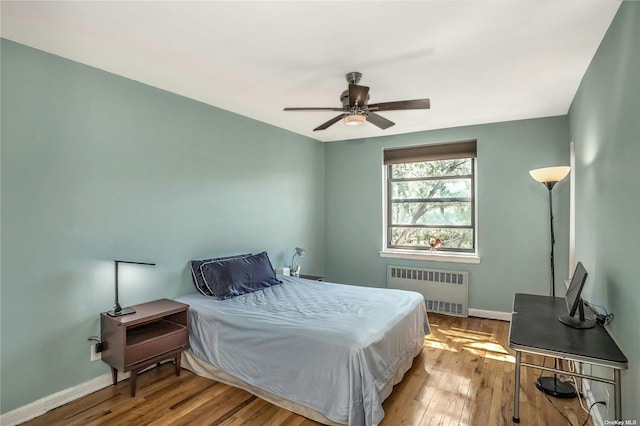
(464, 376)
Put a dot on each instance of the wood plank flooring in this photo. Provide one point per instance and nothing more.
(464, 376)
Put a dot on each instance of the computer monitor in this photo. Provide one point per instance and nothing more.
(574, 301)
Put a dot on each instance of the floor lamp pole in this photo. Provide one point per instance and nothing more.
(551, 385)
(549, 176)
(553, 241)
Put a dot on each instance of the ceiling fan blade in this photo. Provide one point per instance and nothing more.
(398, 105)
(331, 122)
(379, 120)
(358, 95)
(314, 109)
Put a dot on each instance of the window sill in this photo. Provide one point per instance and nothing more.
(432, 256)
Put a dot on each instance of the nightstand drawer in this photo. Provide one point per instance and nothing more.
(152, 339)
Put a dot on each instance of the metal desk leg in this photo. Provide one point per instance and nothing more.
(617, 394)
(516, 390)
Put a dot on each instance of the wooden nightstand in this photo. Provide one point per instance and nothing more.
(312, 277)
(156, 332)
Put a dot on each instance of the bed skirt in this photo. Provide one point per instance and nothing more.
(204, 369)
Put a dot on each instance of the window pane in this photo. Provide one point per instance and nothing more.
(448, 188)
(432, 168)
(441, 213)
(431, 199)
(452, 239)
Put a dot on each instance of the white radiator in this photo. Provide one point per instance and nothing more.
(445, 292)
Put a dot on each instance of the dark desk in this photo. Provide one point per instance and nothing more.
(535, 329)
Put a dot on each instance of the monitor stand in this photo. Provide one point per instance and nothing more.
(581, 322)
(576, 322)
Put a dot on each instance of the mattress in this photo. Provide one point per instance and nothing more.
(335, 350)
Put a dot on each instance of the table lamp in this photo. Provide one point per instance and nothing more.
(118, 310)
(295, 270)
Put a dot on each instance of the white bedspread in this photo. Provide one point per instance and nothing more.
(330, 347)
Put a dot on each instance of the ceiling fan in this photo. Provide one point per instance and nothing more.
(356, 111)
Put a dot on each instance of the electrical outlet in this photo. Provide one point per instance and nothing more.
(607, 400)
(94, 356)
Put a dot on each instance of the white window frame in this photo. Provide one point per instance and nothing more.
(421, 254)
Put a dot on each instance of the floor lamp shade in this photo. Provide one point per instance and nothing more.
(549, 176)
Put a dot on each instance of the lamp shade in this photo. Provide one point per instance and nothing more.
(550, 174)
(355, 120)
(295, 269)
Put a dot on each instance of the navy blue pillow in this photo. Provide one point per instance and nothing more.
(196, 274)
(233, 277)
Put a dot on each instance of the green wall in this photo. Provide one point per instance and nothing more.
(96, 167)
(604, 122)
(513, 209)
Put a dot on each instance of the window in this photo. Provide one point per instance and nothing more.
(431, 194)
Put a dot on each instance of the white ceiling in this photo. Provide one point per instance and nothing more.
(479, 61)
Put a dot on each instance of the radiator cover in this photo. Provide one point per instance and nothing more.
(445, 292)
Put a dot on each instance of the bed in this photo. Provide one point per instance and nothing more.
(330, 352)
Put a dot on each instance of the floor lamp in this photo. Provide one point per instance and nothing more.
(549, 176)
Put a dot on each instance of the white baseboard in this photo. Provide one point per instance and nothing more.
(481, 313)
(41, 406)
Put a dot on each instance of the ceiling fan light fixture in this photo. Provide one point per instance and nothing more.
(355, 120)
